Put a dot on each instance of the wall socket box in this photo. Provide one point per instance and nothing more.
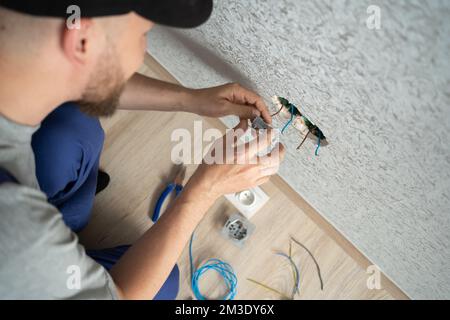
(238, 229)
(248, 202)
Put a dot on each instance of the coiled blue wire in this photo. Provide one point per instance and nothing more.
(222, 268)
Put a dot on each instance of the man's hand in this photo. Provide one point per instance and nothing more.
(228, 99)
(144, 93)
(244, 170)
(142, 270)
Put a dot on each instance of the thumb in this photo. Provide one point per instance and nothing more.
(237, 132)
(243, 111)
(243, 124)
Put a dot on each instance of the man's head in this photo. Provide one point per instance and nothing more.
(91, 60)
(117, 47)
(90, 64)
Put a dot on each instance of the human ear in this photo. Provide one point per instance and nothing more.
(76, 42)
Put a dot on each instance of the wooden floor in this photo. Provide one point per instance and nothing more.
(137, 156)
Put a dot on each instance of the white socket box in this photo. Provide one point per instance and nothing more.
(249, 201)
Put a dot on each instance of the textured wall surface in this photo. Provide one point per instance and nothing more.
(382, 98)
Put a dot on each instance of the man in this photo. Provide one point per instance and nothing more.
(43, 65)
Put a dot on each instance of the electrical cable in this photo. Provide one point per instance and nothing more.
(285, 297)
(318, 146)
(296, 288)
(279, 110)
(291, 110)
(222, 268)
(295, 273)
(296, 276)
(313, 258)
(304, 139)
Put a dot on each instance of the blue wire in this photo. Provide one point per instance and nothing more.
(318, 146)
(296, 288)
(291, 109)
(222, 268)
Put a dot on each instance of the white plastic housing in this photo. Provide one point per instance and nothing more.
(248, 202)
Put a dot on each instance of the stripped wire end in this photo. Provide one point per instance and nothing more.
(294, 117)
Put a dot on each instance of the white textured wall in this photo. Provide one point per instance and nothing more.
(382, 98)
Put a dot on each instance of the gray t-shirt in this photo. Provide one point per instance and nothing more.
(40, 257)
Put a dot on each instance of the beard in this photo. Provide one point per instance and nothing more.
(102, 94)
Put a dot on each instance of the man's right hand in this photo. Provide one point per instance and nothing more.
(142, 270)
(241, 170)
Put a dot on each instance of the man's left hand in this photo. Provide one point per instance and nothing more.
(228, 99)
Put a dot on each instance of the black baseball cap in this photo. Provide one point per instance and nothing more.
(174, 13)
